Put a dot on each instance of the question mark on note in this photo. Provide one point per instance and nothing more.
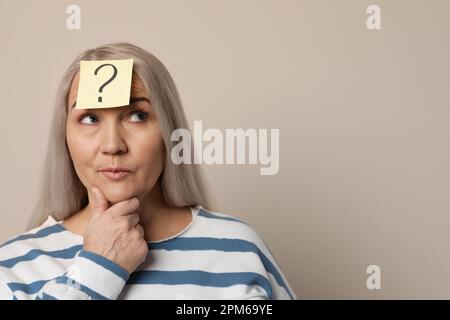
(104, 83)
(100, 90)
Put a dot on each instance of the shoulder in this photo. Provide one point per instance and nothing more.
(227, 225)
(40, 237)
(239, 241)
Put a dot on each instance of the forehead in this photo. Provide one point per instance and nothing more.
(137, 88)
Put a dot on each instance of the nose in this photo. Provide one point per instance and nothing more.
(113, 141)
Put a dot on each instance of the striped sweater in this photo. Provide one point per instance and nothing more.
(217, 256)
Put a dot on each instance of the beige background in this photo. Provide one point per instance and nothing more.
(363, 116)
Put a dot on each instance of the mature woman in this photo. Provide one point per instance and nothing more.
(117, 219)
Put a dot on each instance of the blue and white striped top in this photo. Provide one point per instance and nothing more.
(216, 256)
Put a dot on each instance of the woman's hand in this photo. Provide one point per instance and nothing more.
(115, 232)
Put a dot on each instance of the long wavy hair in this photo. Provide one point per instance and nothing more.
(61, 192)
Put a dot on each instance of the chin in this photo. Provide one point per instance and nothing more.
(116, 194)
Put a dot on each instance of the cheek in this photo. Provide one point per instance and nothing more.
(151, 155)
(79, 148)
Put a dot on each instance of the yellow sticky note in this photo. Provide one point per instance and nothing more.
(104, 84)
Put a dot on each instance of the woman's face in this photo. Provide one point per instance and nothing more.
(127, 137)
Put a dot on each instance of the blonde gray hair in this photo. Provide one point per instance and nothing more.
(61, 192)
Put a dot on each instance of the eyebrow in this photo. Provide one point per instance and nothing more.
(132, 100)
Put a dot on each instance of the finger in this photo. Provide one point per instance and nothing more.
(140, 229)
(133, 218)
(99, 201)
(125, 207)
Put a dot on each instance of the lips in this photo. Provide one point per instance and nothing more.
(115, 173)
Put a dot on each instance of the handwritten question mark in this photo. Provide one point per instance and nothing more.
(100, 90)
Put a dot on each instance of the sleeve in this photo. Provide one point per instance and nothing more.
(281, 290)
(91, 276)
(278, 287)
(5, 293)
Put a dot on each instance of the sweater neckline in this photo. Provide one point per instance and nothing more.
(79, 238)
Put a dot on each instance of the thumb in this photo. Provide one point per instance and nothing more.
(99, 201)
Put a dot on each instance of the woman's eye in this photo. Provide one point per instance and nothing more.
(135, 116)
(139, 116)
(85, 119)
